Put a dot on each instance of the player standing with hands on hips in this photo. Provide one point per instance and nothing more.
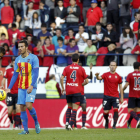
(111, 94)
(27, 65)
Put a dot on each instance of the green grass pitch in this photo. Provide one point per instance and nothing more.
(90, 134)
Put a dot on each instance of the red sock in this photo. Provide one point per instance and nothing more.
(17, 120)
(138, 113)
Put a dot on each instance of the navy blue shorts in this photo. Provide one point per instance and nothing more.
(83, 99)
(73, 98)
(133, 102)
(11, 99)
(109, 101)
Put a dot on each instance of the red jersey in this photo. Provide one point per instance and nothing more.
(111, 82)
(135, 4)
(137, 48)
(8, 75)
(75, 75)
(134, 84)
(136, 28)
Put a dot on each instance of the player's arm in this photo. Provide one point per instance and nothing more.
(98, 77)
(90, 76)
(121, 92)
(3, 83)
(62, 83)
(85, 82)
(125, 86)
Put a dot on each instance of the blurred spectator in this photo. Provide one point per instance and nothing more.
(13, 34)
(69, 36)
(2, 52)
(136, 6)
(72, 14)
(134, 25)
(125, 17)
(6, 60)
(31, 46)
(95, 12)
(7, 12)
(113, 12)
(17, 5)
(128, 60)
(110, 36)
(20, 23)
(3, 30)
(50, 3)
(39, 52)
(127, 38)
(61, 50)
(28, 14)
(35, 3)
(53, 28)
(80, 4)
(35, 21)
(71, 49)
(58, 34)
(48, 49)
(97, 35)
(81, 38)
(4, 40)
(44, 12)
(90, 49)
(104, 10)
(1, 5)
(58, 12)
(86, 6)
(66, 3)
(44, 33)
(136, 50)
(109, 58)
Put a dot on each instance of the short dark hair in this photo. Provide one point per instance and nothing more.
(114, 62)
(2, 50)
(42, 1)
(13, 58)
(136, 65)
(81, 25)
(51, 76)
(70, 29)
(58, 29)
(75, 57)
(60, 39)
(47, 38)
(43, 25)
(14, 25)
(5, 44)
(109, 23)
(71, 40)
(98, 24)
(59, 0)
(25, 42)
(3, 34)
(0, 22)
(136, 13)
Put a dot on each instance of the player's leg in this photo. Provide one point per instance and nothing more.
(30, 98)
(17, 119)
(106, 107)
(138, 110)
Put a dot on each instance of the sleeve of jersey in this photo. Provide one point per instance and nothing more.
(103, 76)
(35, 72)
(16, 67)
(13, 80)
(5, 74)
(127, 79)
(35, 62)
(84, 73)
(120, 81)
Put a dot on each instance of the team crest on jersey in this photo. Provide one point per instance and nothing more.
(28, 60)
(115, 76)
(22, 68)
(109, 76)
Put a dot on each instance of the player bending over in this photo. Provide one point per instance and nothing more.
(75, 75)
(111, 94)
(133, 80)
(12, 97)
(27, 65)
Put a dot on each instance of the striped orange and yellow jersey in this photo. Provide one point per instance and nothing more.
(25, 66)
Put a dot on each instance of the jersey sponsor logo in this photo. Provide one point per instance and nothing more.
(137, 89)
(76, 68)
(72, 84)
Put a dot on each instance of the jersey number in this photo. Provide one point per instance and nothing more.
(73, 75)
(136, 81)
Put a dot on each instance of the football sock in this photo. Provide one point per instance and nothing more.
(83, 118)
(24, 119)
(134, 115)
(11, 119)
(34, 115)
(73, 117)
(68, 114)
(106, 116)
(17, 120)
(115, 117)
(130, 119)
(75, 124)
(138, 114)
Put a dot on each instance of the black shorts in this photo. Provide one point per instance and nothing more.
(83, 99)
(73, 99)
(11, 99)
(109, 101)
(133, 102)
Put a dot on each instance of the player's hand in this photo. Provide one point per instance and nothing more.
(90, 65)
(63, 91)
(1, 87)
(121, 100)
(97, 74)
(7, 90)
(29, 90)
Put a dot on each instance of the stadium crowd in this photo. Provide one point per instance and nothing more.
(63, 27)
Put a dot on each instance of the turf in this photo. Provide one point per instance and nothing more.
(90, 134)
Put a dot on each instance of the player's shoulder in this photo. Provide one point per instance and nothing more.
(106, 73)
(33, 56)
(117, 74)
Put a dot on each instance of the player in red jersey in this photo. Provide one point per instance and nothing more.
(133, 80)
(111, 94)
(12, 97)
(74, 82)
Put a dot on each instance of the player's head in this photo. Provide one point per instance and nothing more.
(113, 66)
(2, 52)
(52, 77)
(13, 62)
(23, 47)
(75, 58)
(136, 65)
